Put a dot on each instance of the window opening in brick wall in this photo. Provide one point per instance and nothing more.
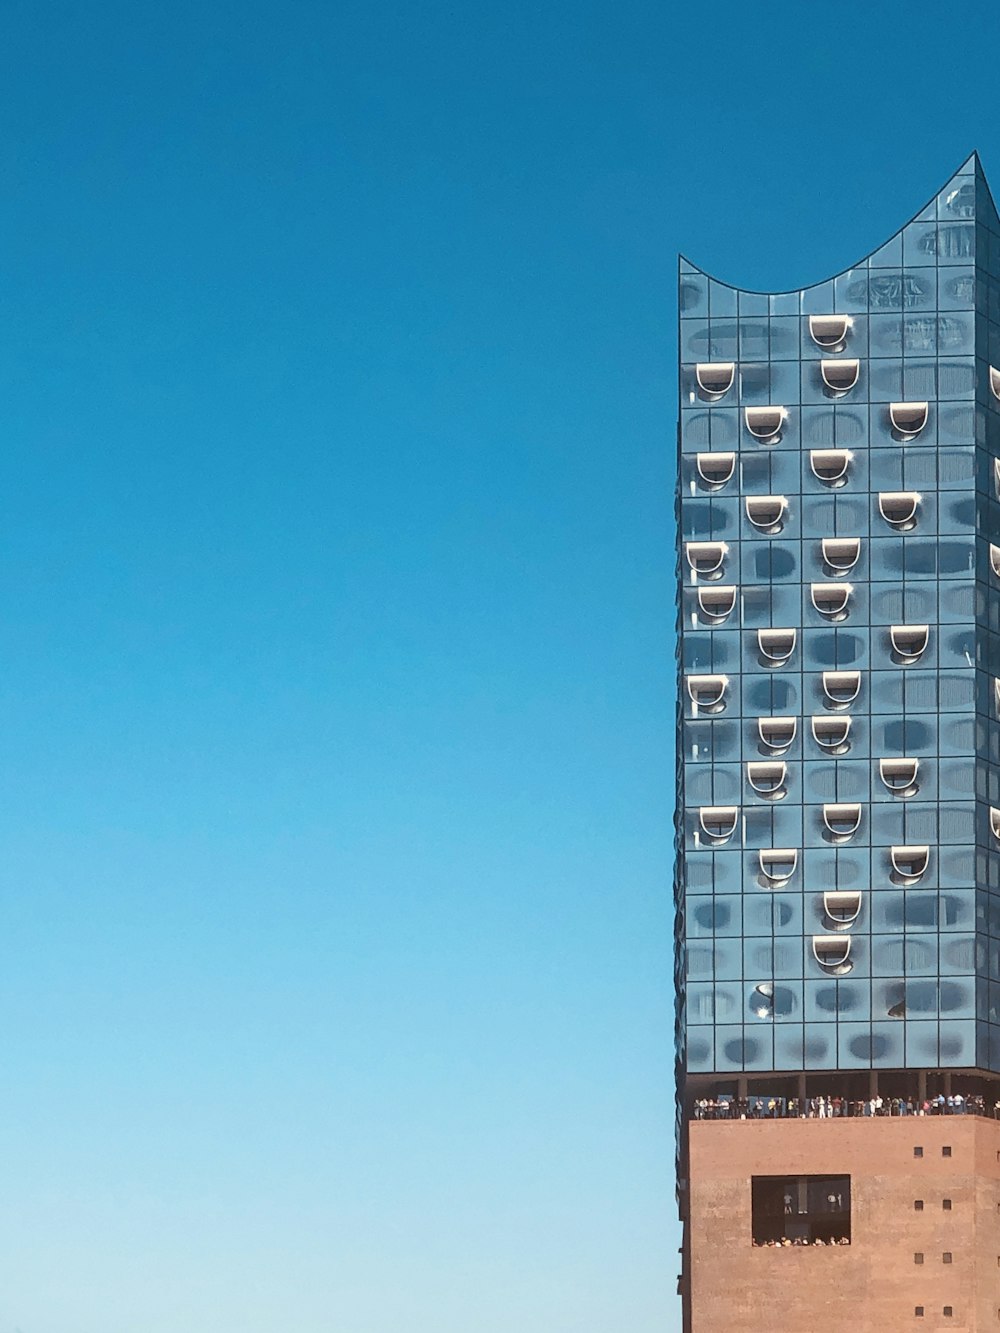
(919, 1152)
(947, 1312)
(946, 1205)
(918, 1258)
(918, 1205)
(918, 1310)
(801, 1210)
(946, 1151)
(946, 1257)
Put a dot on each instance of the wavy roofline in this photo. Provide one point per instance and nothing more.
(977, 171)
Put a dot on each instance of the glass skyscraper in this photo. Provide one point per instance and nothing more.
(838, 821)
(839, 873)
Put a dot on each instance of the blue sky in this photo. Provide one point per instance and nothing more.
(336, 408)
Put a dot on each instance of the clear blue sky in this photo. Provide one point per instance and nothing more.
(336, 423)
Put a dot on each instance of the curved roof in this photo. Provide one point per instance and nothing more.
(971, 168)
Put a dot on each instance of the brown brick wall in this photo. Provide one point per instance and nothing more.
(873, 1283)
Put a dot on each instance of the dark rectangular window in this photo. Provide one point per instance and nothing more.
(946, 1257)
(918, 1310)
(919, 1152)
(947, 1312)
(918, 1258)
(946, 1205)
(918, 1205)
(946, 1151)
(801, 1210)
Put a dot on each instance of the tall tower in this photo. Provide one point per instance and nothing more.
(838, 824)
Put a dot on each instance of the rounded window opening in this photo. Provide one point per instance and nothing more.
(839, 377)
(776, 645)
(995, 382)
(715, 378)
(766, 511)
(842, 820)
(715, 469)
(776, 733)
(832, 733)
(899, 775)
(899, 509)
(831, 599)
(765, 423)
(995, 559)
(829, 331)
(768, 778)
(705, 558)
(908, 863)
(718, 822)
(909, 642)
(777, 864)
(841, 688)
(841, 554)
(841, 908)
(830, 466)
(715, 604)
(708, 693)
(995, 822)
(907, 419)
(833, 953)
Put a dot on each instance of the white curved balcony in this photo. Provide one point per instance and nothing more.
(777, 645)
(705, 558)
(833, 952)
(842, 819)
(718, 822)
(778, 864)
(909, 642)
(908, 419)
(708, 693)
(995, 382)
(830, 466)
(841, 687)
(716, 603)
(831, 599)
(899, 509)
(909, 863)
(995, 822)
(715, 378)
(768, 778)
(841, 554)
(995, 559)
(899, 775)
(776, 733)
(715, 469)
(829, 331)
(764, 423)
(842, 907)
(840, 376)
(831, 733)
(766, 511)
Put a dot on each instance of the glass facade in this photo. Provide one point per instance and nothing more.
(838, 872)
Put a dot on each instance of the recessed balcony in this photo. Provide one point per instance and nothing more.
(841, 554)
(764, 423)
(829, 331)
(899, 509)
(776, 733)
(909, 642)
(831, 733)
(842, 820)
(708, 693)
(716, 603)
(768, 778)
(715, 378)
(766, 511)
(776, 645)
(995, 382)
(831, 599)
(841, 687)
(715, 469)
(705, 558)
(839, 377)
(718, 822)
(908, 419)
(899, 775)
(833, 953)
(842, 908)
(778, 864)
(830, 466)
(909, 863)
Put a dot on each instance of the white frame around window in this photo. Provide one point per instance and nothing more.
(908, 419)
(831, 599)
(708, 693)
(715, 469)
(995, 382)
(777, 638)
(782, 856)
(765, 423)
(841, 687)
(909, 856)
(840, 377)
(831, 733)
(713, 554)
(902, 507)
(842, 907)
(713, 815)
(717, 602)
(820, 459)
(899, 775)
(909, 642)
(829, 331)
(766, 511)
(841, 554)
(846, 817)
(777, 733)
(833, 952)
(768, 777)
(714, 378)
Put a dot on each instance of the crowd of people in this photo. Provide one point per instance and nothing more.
(822, 1108)
(800, 1240)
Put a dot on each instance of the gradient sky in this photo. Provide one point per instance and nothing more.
(336, 410)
